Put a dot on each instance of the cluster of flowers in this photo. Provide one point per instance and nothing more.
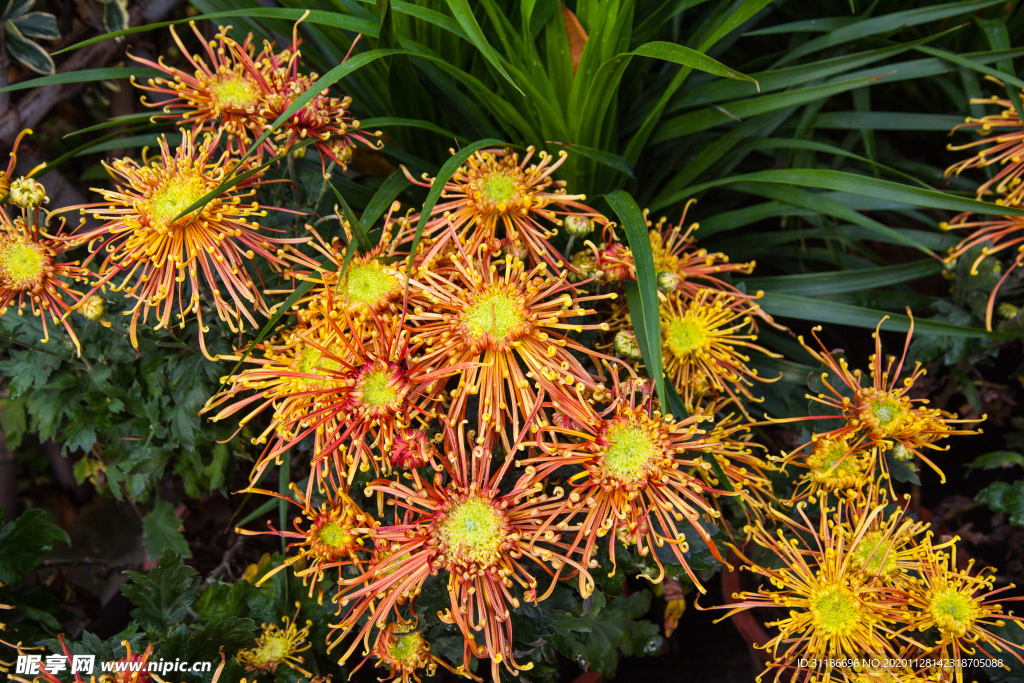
(1000, 141)
(147, 230)
(492, 386)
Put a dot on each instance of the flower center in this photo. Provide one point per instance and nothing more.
(685, 337)
(174, 196)
(832, 465)
(335, 535)
(312, 362)
(473, 532)
(953, 612)
(835, 610)
(496, 314)
(873, 556)
(377, 390)
(234, 92)
(22, 264)
(407, 649)
(367, 284)
(499, 188)
(629, 451)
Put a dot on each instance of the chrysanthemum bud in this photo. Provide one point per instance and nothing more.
(585, 266)
(1008, 310)
(902, 453)
(579, 226)
(668, 281)
(93, 308)
(627, 346)
(28, 193)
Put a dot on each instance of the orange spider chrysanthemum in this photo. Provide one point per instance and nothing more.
(32, 274)
(509, 325)
(703, 343)
(879, 417)
(500, 201)
(481, 532)
(219, 95)
(961, 606)
(326, 119)
(1002, 142)
(730, 444)
(994, 236)
(678, 264)
(155, 252)
(404, 652)
(836, 613)
(633, 482)
(335, 538)
(352, 383)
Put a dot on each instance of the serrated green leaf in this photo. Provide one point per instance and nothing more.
(996, 460)
(24, 542)
(161, 531)
(163, 595)
(1005, 498)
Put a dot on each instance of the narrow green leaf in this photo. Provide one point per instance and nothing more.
(635, 227)
(852, 183)
(884, 24)
(112, 123)
(384, 197)
(300, 291)
(359, 232)
(464, 15)
(819, 284)
(319, 17)
(608, 159)
(824, 311)
(386, 121)
(85, 76)
(885, 120)
(1006, 78)
(670, 52)
(89, 146)
(709, 117)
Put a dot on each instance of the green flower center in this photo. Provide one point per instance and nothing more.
(888, 412)
(407, 648)
(335, 535)
(22, 263)
(835, 610)
(274, 650)
(176, 195)
(234, 93)
(312, 362)
(473, 532)
(367, 284)
(953, 611)
(685, 337)
(629, 451)
(496, 314)
(873, 556)
(377, 392)
(499, 187)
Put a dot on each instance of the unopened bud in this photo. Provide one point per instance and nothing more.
(93, 308)
(1008, 311)
(668, 281)
(28, 193)
(579, 226)
(627, 346)
(902, 453)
